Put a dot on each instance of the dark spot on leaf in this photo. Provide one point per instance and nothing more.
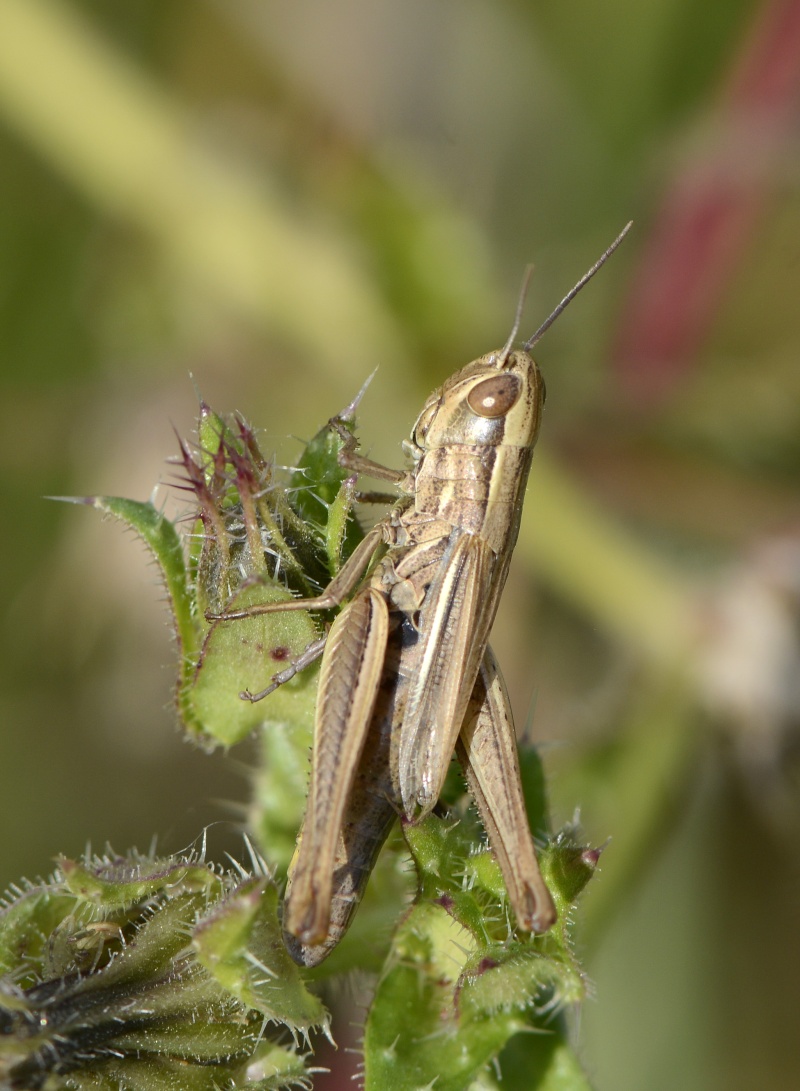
(280, 653)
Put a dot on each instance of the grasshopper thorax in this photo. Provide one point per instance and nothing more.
(496, 400)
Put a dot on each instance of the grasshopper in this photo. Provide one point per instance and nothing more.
(407, 676)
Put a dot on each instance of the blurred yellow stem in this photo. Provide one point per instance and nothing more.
(135, 152)
(603, 569)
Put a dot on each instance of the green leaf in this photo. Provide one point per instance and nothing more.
(273, 1067)
(415, 1033)
(542, 1061)
(341, 531)
(534, 787)
(118, 888)
(323, 490)
(160, 535)
(459, 983)
(133, 972)
(243, 655)
(318, 475)
(25, 924)
(241, 945)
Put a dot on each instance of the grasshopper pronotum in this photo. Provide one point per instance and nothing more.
(407, 675)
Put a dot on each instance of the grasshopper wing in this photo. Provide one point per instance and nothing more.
(453, 629)
(350, 676)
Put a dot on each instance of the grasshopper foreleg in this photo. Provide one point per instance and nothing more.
(350, 459)
(342, 584)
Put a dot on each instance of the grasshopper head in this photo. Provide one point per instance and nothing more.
(495, 400)
(498, 399)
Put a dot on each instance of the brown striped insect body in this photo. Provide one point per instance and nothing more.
(402, 658)
(407, 676)
(472, 447)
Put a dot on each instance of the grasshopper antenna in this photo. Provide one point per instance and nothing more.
(568, 298)
(523, 292)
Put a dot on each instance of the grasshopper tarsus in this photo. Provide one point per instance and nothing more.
(308, 656)
(349, 458)
(254, 698)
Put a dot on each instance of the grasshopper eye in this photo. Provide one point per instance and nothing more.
(494, 396)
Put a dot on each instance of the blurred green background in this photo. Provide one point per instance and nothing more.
(264, 202)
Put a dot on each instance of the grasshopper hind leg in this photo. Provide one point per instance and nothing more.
(487, 750)
(370, 813)
(350, 679)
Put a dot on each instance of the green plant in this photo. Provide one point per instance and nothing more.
(453, 980)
